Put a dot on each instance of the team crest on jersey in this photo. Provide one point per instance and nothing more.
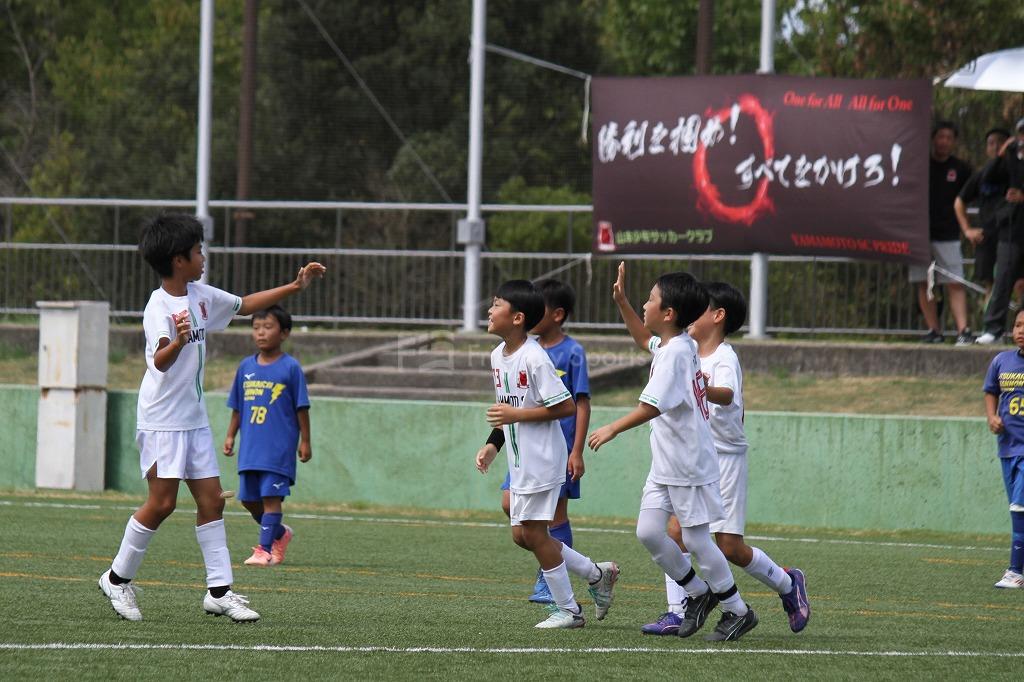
(522, 382)
(202, 309)
(951, 175)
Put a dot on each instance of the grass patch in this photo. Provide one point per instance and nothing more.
(392, 588)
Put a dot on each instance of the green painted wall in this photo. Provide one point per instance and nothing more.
(819, 470)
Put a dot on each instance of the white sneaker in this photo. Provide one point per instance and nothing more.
(1011, 580)
(986, 339)
(234, 606)
(560, 618)
(122, 597)
(601, 591)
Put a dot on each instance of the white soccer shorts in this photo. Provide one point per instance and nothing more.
(185, 455)
(533, 506)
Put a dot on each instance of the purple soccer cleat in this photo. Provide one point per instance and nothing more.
(795, 602)
(667, 624)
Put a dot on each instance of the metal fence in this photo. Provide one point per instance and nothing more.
(425, 287)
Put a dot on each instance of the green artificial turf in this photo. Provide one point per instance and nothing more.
(372, 587)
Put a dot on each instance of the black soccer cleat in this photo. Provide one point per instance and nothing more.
(696, 612)
(731, 627)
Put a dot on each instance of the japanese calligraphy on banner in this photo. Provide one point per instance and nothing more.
(773, 164)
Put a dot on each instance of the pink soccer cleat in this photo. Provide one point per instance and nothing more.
(260, 557)
(281, 544)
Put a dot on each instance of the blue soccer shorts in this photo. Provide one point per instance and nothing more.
(1013, 479)
(253, 486)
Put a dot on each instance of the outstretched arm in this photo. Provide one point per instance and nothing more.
(265, 299)
(641, 414)
(633, 322)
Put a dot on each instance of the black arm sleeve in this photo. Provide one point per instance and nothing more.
(497, 438)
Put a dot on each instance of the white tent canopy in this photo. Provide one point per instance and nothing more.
(1002, 71)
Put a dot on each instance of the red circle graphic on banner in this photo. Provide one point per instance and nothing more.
(708, 197)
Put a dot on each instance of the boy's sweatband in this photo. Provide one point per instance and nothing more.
(497, 438)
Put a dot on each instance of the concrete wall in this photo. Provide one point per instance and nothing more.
(817, 470)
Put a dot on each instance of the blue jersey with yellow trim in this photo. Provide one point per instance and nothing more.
(268, 398)
(570, 363)
(1005, 379)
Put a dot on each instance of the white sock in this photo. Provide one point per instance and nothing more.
(580, 565)
(676, 595)
(713, 566)
(213, 540)
(768, 572)
(650, 530)
(734, 604)
(133, 549)
(561, 589)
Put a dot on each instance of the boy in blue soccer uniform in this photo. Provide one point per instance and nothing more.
(270, 406)
(1004, 406)
(570, 361)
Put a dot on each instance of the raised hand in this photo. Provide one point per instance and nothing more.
(308, 273)
(619, 288)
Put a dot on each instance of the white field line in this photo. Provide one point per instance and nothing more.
(488, 524)
(94, 646)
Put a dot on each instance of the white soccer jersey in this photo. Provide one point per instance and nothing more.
(174, 400)
(682, 448)
(723, 370)
(536, 452)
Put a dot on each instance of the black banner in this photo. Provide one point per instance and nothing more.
(773, 164)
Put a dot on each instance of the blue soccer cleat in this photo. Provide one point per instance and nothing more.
(667, 624)
(795, 601)
(541, 593)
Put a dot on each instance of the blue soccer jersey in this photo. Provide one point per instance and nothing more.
(570, 363)
(268, 398)
(1005, 379)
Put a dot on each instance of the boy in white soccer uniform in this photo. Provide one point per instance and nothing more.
(173, 431)
(684, 467)
(530, 401)
(721, 368)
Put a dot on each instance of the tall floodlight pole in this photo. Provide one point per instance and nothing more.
(471, 228)
(205, 108)
(758, 320)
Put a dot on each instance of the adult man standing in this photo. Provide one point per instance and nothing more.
(945, 180)
(1008, 170)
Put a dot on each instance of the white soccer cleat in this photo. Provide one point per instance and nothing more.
(234, 606)
(1011, 580)
(562, 619)
(122, 597)
(986, 339)
(601, 591)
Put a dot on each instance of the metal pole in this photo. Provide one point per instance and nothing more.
(471, 230)
(203, 150)
(246, 104)
(758, 321)
(705, 35)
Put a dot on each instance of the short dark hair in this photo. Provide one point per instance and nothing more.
(523, 297)
(945, 125)
(727, 297)
(1001, 132)
(683, 293)
(278, 313)
(558, 294)
(166, 236)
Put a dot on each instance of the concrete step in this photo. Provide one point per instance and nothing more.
(397, 393)
(441, 360)
(412, 378)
